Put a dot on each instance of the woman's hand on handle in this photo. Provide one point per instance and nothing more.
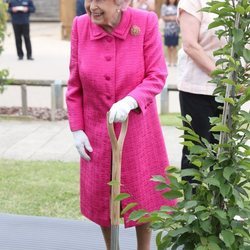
(120, 110)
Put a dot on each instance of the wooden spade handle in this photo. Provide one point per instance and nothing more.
(117, 145)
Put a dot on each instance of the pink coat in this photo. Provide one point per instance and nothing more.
(105, 68)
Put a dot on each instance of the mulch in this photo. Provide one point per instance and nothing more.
(36, 113)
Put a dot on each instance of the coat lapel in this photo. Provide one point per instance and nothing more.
(121, 31)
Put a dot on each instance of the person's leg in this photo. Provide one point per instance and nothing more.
(200, 108)
(174, 55)
(18, 39)
(106, 232)
(26, 35)
(143, 233)
(170, 59)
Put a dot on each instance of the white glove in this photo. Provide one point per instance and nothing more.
(120, 110)
(82, 144)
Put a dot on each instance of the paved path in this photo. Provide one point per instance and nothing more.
(43, 233)
(41, 140)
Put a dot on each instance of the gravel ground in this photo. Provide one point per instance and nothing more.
(36, 113)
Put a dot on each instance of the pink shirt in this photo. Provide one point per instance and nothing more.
(192, 78)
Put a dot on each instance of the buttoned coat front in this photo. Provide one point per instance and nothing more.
(104, 68)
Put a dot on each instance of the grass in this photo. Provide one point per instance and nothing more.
(170, 119)
(46, 188)
(40, 188)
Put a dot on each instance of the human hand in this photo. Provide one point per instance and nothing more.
(82, 144)
(25, 9)
(15, 9)
(120, 110)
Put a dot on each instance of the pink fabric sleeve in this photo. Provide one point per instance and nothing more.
(155, 65)
(190, 6)
(74, 94)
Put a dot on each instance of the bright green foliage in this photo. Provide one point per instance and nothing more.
(216, 215)
(3, 73)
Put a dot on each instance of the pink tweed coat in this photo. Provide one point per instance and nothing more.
(105, 68)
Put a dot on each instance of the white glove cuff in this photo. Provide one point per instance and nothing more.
(131, 102)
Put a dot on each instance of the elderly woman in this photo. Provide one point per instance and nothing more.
(117, 65)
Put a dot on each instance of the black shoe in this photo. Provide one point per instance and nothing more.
(20, 58)
(30, 58)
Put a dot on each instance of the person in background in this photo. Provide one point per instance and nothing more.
(196, 63)
(171, 30)
(80, 8)
(117, 65)
(20, 11)
(144, 5)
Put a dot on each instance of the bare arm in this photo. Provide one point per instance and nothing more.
(190, 27)
(169, 18)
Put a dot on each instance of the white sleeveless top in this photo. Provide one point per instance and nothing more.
(192, 79)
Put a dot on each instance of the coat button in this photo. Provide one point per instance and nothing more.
(109, 39)
(108, 58)
(108, 97)
(107, 77)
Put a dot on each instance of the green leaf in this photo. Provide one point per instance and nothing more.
(173, 182)
(216, 6)
(191, 219)
(238, 198)
(128, 207)
(220, 128)
(246, 54)
(147, 219)
(229, 100)
(172, 194)
(206, 226)
(189, 144)
(220, 213)
(167, 209)
(190, 204)
(225, 189)
(240, 9)
(238, 35)
(241, 232)
(136, 215)
(121, 196)
(200, 208)
(176, 232)
(191, 138)
(158, 178)
(158, 238)
(161, 186)
(215, 24)
(212, 181)
(197, 149)
(171, 169)
(228, 237)
(196, 162)
(201, 248)
(227, 172)
(190, 172)
(213, 246)
(204, 216)
(248, 9)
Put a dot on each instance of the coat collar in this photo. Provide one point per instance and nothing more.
(120, 31)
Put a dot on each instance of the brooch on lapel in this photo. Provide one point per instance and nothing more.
(135, 30)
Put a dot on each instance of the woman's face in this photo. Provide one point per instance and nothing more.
(172, 2)
(105, 13)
